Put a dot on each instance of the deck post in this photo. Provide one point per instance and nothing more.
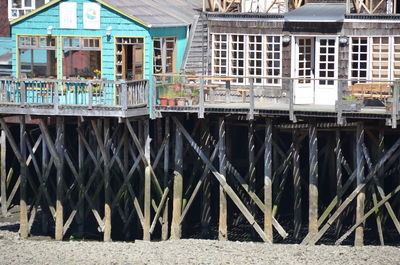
(359, 236)
(251, 98)
(178, 186)
(268, 180)
(3, 173)
(201, 99)
(147, 183)
(124, 94)
(60, 181)
(313, 181)
(23, 220)
(395, 107)
(339, 102)
(291, 101)
(23, 93)
(223, 214)
(165, 226)
(296, 185)
(90, 103)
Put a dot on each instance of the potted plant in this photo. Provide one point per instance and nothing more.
(349, 103)
(180, 98)
(171, 95)
(177, 81)
(195, 96)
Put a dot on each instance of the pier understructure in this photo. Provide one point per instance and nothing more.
(110, 160)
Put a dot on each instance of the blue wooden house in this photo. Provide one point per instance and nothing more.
(112, 39)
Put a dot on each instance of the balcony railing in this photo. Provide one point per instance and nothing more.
(193, 93)
(73, 93)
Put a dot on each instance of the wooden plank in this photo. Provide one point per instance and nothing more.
(223, 204)
(339, 175)
(359, 235)
(229, 191)
(268, 181)
(60, 181)
(313, 181)
(23, 219)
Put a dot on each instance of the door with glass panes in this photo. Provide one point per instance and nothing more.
(315, 71)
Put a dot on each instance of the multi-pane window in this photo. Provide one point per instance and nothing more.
(380, 58)
(129, 58)
(273, 59)
(327, 61)
(164, 55)
(396, 58)
(305, 60)
(359, 58)
(374, 58)
(81, 57)
(37, 56)
(239, 55)
(220, 52)
(255, 57)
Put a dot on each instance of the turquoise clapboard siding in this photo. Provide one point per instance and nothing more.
(122, 26)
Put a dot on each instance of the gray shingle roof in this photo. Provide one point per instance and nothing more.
(158, 13)
(318, 12)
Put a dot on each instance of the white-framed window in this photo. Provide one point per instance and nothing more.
(240, 55)
(374, 58)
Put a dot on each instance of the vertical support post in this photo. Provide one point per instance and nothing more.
(45, 161)
(291, 101)
(178, 186)
(90, 103)
(81, 209)
(251, 98)
(268, 180)
(56, 99)
(201, 99)
(23, 219)
(164, 229)
(313, 181)
(223, 215)
(60, 165)
(23, 93)
(252, 167)
(124, 95)
(395, 107)
(339, 175)
(3, 173)
(107, 191)
(147, 183)
(296, 185)
(206, 192)
(228, 91)
(359, 235)
(339, 107)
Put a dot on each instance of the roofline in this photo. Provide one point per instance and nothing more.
(51, 3)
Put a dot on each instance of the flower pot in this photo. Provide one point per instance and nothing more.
(163, 101)
(171, 102)
(180, 101)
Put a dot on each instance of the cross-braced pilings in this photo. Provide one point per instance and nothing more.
(222, 177)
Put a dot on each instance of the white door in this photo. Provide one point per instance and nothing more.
(326, 71)
(303, 86)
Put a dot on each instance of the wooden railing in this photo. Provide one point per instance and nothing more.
(89, 93)
(193, 93)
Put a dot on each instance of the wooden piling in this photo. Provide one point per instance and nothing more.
(206, 188)
(359, 236)
(223, 211)
(178, 187)
(268, 181)
(296, 185)
(147, 183)
(3, 173)
(59, 233)
(313, 181)
(23, 220)
(165, 226)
